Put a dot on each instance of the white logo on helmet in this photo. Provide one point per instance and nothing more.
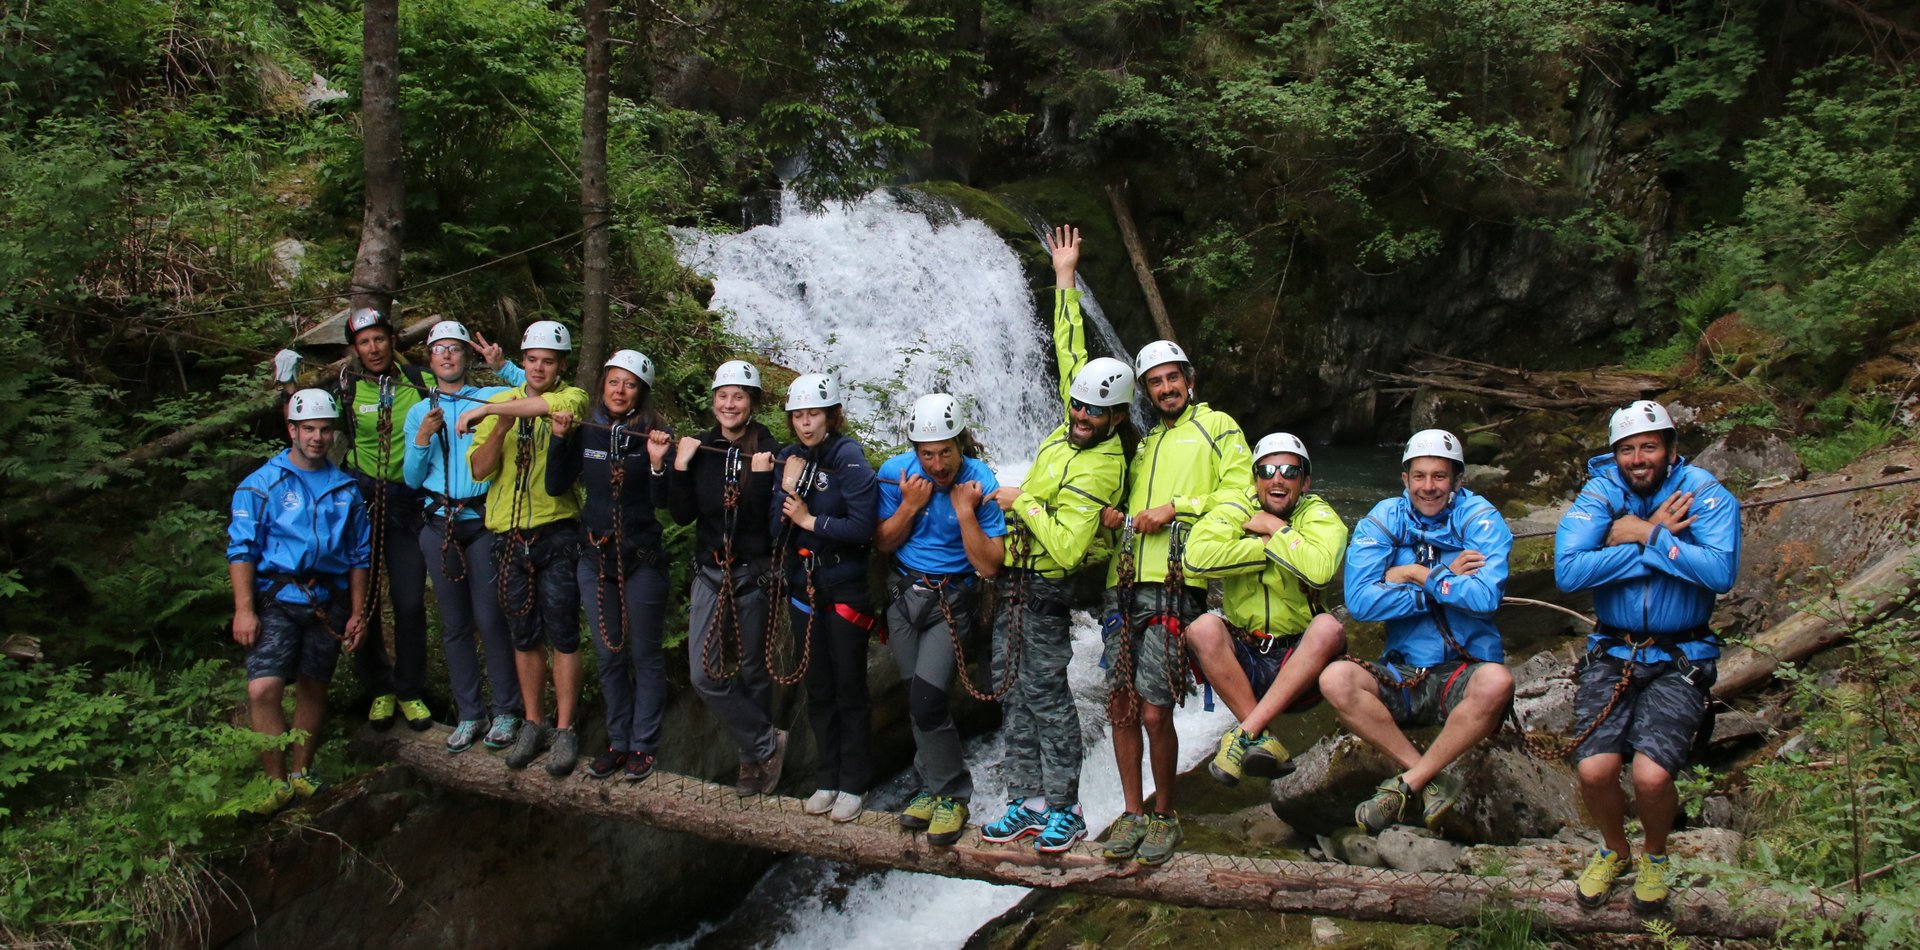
(547, 335)
(1281, 442)
(1642, 416)
(449, 330)
(936, 416)
(813, 391)
(1435, 442)
(1103, 382)
(736, 373)
(635, 362)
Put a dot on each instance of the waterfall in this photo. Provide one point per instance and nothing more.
(847, 288)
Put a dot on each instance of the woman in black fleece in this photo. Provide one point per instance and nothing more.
(825, 508)
(623, 577)
(722, 482)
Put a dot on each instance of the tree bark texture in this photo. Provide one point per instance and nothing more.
(679, 803)
(1137, 252)
(594, 210)
(376, 268)
(1870, 594)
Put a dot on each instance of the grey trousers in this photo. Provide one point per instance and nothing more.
(923, 650)
(633, 678)
(743, 702)
(1041, 725)
(467, 605)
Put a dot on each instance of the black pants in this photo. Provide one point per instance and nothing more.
(838, 705)
(396, 545)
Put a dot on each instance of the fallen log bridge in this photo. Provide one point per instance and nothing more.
(684, 804)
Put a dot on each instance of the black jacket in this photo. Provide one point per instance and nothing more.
(697, 497)
(844, 497)
(583, 456)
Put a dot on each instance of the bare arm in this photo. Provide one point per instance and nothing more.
(246, 623)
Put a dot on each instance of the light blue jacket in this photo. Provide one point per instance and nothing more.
(1664, 586)
(282, 524)
(426, 465)
(1394, 534)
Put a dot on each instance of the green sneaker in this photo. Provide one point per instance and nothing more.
(419, 717)
(1439, 797)
(1229, 763)
(1650, 885)
(1163, 836)
(919, 813)
(1124, 836)
(1596, 882)
(949, 820)
(1266, 757)
(277, 796)
(306, 784)
(380, 714)
(1385, 808)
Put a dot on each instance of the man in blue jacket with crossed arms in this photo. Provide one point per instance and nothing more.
(1432, 564)
(1655, 540)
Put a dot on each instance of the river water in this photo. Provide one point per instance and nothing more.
(900, 306)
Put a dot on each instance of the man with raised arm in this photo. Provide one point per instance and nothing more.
(1655, 540)
(1193, 459)
(1264, 649)
(1053, 523)
(1432, 564)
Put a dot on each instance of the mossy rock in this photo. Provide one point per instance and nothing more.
(1484, 447)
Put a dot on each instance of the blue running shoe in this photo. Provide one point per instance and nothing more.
(1017, 823)
(1063, 829)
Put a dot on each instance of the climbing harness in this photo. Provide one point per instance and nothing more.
(521, 504)
(1124, 701)
(713, 646)
(454, 506)
(616, 486)
(777, 591)
(276, 581)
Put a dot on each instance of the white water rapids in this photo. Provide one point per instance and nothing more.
(900, 306)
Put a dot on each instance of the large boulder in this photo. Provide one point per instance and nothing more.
(1749, 453)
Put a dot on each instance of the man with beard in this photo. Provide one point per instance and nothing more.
(1655, 540)
(1263, 650)
(1194, 459)
(1432, 564)
(1053, 521)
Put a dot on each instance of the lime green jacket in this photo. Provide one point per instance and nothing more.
(1198, 463)
(1268, 583)
(1061, 497)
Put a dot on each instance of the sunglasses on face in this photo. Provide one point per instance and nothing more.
(1284, 470)
(1097, 412)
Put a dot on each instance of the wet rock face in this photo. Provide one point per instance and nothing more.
(1748, 454)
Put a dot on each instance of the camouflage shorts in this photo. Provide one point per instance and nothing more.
(1159, 660)
(293, 642)
(1658, 717)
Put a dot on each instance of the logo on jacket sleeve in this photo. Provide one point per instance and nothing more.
(1446, 587)
(1673, 553)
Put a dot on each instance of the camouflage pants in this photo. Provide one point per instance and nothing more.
(1040, 724)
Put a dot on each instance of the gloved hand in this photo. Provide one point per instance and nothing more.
(285, 363)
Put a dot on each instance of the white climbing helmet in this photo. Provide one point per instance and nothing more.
(736, 373)
(936, 416)
(1281, 442)
(449, 330)
(1103, 382)
(363, 318)
(312, 404)
(1156, 353)
(1642, 415)
(813, 391)
(635, 362)
(547, 335)
(1436, 442)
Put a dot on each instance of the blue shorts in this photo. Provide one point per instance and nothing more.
(1261, 660)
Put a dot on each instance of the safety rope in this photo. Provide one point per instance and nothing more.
(777, 591)
(520, 503)
(377, 509)
(1125, 696)
(1016, 595)
(1172, 599)
(616, 486)
(454, 507)
(713, 646)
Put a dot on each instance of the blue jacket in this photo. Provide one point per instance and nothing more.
(843, 498)
(935, 546)
(305, 524)
(1664, 586)
(1393, 534)
(426, 465)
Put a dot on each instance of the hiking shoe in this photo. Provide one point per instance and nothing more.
(306, 784)
(1650, 885)
(465, 733)
(1228, 764)
(770, 769)
(1385, 808)
(847, 807)
(752, 775)
(949, 820)
(1163, 836)
(527, 747)
(419, 717)
(639, 766)
(1019, 822)
(277, 796)
(1439, 797)
(566, 748)
(1596, 882)
(607, 763)
(1266, 757)
(380, 714)
(919, 812)
(1064, 828)
(821, 802)
(1124, 836)
(502, 733)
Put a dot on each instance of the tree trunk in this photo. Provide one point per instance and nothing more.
(1137, 252)
(678, 803)
(1871, 593)
(594, 211)
(376, 268)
